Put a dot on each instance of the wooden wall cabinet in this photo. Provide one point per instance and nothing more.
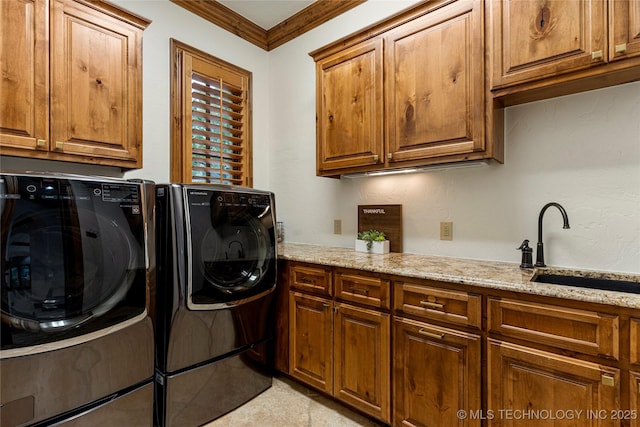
(76, 83)
(435, 85)
(350, 110)
(544, 49)
(337, 347)
(407, 92)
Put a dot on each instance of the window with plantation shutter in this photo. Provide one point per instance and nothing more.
(211, 127)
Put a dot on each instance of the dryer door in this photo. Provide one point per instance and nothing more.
(73, 257)
(232, 242)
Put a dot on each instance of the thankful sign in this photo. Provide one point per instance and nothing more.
(385, 218)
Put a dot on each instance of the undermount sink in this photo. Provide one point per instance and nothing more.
(604, 284)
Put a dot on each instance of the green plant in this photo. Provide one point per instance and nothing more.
(371, 236)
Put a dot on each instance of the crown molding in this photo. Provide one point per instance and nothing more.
(308, 18)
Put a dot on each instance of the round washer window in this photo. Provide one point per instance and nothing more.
(235, 257)
(60, 272)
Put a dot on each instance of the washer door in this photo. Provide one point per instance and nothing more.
(69, 258)
(233, 256)
(58, 274)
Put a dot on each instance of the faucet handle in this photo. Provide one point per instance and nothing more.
(524, 245)
(527, 255)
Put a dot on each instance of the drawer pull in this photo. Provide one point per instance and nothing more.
(359, 290)
(596, 54)
(430, 304)
(41, 143)
(621, 48)
(59, 145)
(430, 334)
(307, 281)
(608, 380)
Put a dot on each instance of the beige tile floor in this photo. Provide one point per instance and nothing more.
(289, 404)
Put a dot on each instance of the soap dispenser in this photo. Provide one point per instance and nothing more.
(527, 255)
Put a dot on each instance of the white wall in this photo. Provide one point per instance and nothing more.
(582, 151)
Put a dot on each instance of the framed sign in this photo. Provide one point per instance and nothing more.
(385, 218)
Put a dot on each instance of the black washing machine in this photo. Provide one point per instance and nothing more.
(216, 249)
(76, 274)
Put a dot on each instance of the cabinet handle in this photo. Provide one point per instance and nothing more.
(41, 142)
(59, 145)
(359, 290)
(390, 156)
(608, 380)
(325, 304)
(376, 158)
(307, 281)
(429, 304)
(426, 333)
(621, 48)
(596, 55)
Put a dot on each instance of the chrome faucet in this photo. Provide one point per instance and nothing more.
(540, 248)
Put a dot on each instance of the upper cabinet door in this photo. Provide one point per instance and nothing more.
(435, 84)
(96, 84)
(624, 29)
(24, 103)
(349, 106)
(533, 39)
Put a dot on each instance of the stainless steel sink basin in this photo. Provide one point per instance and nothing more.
(604, 284)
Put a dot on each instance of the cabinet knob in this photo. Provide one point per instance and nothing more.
(621, 48)
(608, 380)
(41, 143)
(59, 145)
(596, 54)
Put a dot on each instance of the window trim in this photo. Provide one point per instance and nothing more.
(180, 171)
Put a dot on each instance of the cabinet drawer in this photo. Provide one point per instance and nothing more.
(372, 291)
(584, 331)
(310, 278)
(428, 302)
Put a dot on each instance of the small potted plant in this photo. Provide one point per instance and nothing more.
(373, 241)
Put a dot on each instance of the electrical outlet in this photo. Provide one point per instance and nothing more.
(446, 231)
(337, 226)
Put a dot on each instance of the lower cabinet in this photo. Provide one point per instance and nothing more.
(342, 350)
(419, 352)
(437, 374)
(362, 363)
(528, 385)
(311, 340)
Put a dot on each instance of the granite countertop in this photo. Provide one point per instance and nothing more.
(488, 274)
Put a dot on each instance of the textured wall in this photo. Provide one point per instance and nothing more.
(582, 151)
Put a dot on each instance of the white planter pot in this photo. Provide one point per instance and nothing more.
(376, 247)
